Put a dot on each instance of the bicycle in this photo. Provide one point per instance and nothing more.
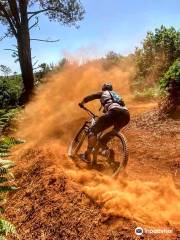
(111, 151)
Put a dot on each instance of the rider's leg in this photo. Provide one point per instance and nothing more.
(121, 119)
(102, 123)
(117, 118)
(92, 139)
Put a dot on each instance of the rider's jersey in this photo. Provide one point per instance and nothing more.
(106, 101)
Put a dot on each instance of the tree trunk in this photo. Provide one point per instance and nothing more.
(26, 69)
(24, 52)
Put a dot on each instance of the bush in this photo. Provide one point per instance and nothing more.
(10, 91)
(112, 59)
(44, 69)
(147, 94)
(172, 73)
(158, 52)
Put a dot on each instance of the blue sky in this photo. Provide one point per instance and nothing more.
(117, 25)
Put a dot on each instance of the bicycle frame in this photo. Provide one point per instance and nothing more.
(89, 123)
(94, 117)
(89, 112)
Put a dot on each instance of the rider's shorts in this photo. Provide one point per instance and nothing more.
(115, 117)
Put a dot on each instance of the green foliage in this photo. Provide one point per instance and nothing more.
(66, 12)
(5, 144)
(6, 228)
(147, 93)
(10, 91)
(5, 165)
(6, 116)
(5, 70)
(6, 185)
(2, 238)
(8, 142)
(5, 162)
(158, 52)
(4, 189)
(173, 72)
(112, 59)
(3, 179)
(3, 171)
(44, 69)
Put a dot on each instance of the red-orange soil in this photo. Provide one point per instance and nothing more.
(55, 199)
(58, 201)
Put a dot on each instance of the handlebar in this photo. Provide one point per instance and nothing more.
(89, 111)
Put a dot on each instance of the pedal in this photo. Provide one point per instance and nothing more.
(84, 158)
(105, 152)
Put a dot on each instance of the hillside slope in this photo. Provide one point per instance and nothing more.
(56, 200)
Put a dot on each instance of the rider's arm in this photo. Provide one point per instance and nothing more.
(92, 97)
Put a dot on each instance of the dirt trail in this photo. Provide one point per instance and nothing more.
(59, 201)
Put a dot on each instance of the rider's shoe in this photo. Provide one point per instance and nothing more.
(114, 165)
(105, 152)
(85, 157)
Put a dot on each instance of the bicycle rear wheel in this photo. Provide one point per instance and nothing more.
(111, 153)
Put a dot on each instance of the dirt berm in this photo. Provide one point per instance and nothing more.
(56, 200)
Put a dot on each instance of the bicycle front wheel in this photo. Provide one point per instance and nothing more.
(77, 142)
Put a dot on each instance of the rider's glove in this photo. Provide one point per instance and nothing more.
(81, 104)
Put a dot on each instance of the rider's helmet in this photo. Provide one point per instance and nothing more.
(107, 87)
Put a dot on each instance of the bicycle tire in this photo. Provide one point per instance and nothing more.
(77, 142)
(125, 156)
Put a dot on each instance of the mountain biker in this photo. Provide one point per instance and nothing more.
(116, 114)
